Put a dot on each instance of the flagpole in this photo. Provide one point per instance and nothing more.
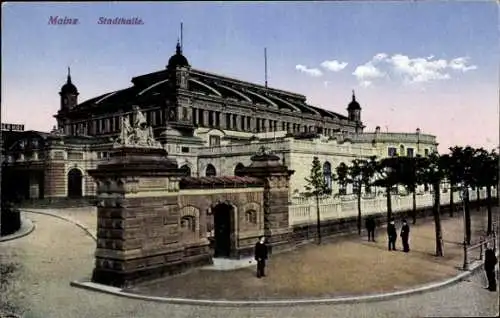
(182, 37)
(265, 66)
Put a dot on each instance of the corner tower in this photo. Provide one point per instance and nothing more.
(354, 113)
(178, 107)
(69, 94)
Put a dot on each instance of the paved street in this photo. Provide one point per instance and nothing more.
(58, 252)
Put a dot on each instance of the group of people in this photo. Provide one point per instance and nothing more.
(392, 233)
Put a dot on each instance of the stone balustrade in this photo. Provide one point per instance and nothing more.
(303, 210)
(275, 146)
(393, 137)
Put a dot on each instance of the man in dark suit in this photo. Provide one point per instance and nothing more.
(392, 235)
(490, 261)
(370, 228)
(405, 235)
(261, 256)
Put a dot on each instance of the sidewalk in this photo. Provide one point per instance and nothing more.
(345, 268)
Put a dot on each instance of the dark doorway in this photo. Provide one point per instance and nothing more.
(238, 170)
(222, 230)
(186, 170)
(210, 171)
(75, 183)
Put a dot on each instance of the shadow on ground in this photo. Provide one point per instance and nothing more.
(343, 268)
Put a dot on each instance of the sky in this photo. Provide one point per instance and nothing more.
(419, 64)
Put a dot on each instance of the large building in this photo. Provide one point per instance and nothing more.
(210, 124)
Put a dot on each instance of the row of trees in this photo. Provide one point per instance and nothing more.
(462, 168)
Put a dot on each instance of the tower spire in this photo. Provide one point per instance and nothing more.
(353, 96)
(69, 75)
(178, 48)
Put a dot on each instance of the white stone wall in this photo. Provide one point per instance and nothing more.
(298, 154)
(303, 211)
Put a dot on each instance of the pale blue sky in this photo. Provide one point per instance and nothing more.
(414, 84)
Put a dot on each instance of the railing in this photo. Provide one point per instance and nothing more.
(391, 136)
(476, 252)
(276, 146)
(303, 210)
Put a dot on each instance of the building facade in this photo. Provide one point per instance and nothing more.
(210, 124)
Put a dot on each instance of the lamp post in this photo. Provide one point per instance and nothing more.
(464, 243)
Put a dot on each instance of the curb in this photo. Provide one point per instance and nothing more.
(80, 225)
(274, 303)
(29, 227)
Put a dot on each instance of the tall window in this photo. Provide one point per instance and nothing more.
(214, 141)
(211, 118)
(410, 152)
(392, 151)
(327, 174)
(242, 122)
(228, 121)
(217, 119)
(401, 150)
(235, 122)
(426, 152)
(342, 169)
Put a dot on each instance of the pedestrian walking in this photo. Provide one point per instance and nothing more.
(370, 228)
(490, 261)
(392, 235)
(405, 235)
(261, 256)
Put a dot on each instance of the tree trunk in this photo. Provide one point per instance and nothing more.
(414, 209)
(478, 199)
(437, 220)
(359, 210)
(452, 203)
(318, 220)
(467, 218)
(389, 204)
(488, 193)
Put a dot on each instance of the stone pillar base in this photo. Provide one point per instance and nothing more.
(124, 279)
(281, 241)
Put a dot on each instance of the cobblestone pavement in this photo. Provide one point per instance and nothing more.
(58, 252)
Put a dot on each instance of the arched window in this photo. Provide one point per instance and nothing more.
(188, 224)
(237, 170)
(327, 174)
(210, 171)
(188, 227)
(342, 173)
(401, 150)
(251, 216)
(186, 170)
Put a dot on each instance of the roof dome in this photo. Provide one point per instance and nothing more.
(69, 88)
(353, 105)
(177, 59)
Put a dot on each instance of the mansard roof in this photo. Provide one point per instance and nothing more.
(152, 88)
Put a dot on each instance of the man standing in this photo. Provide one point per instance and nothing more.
(405, 235)
(392, 235)
(370, 228)
(261, 256)
(490, 261)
